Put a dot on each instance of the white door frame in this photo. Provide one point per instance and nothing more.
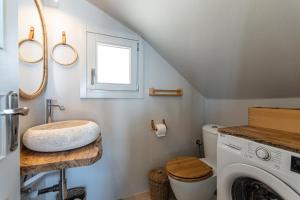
(9, 81)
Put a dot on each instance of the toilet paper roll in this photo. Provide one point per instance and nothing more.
(161, 130)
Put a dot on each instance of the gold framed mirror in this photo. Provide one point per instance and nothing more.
(42, 86)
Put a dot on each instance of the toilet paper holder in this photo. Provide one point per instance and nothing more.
(154, 127)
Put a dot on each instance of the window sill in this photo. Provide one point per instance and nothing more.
(102, 94)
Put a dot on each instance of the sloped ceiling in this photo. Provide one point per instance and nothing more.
(225, 48)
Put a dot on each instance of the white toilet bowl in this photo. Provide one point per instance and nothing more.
(192, 178)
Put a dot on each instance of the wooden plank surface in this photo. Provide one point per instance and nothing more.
(275, 118)
(34, 162)
(277, 138)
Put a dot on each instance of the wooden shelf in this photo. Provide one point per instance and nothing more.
(277, 138)
(284, 119)
(35, 162)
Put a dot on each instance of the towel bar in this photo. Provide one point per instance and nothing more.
(162, 92)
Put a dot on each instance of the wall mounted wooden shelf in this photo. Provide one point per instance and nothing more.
(34, 162)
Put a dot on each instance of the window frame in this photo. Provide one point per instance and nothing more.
(104, 90)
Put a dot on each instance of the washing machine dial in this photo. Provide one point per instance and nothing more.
(263, 154)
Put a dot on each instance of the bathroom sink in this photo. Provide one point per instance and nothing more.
(61, 136)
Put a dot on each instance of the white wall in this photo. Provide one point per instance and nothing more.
(130, 148)
(235, 112)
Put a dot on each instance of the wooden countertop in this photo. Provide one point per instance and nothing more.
(35, 162)
(277, 138)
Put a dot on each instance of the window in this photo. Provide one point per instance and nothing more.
(111, 70)
(114, 67)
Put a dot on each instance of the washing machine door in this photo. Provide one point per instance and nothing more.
(245, 182)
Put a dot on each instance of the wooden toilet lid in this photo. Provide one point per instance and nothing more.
(188, 169)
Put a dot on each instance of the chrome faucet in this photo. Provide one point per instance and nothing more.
(49, 109)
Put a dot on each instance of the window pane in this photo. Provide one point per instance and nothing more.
(113, 64)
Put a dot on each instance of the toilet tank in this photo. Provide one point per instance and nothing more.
(210, 138)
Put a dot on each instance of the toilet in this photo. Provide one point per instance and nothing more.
(192, 178)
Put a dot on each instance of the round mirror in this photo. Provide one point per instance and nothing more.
(33, 53)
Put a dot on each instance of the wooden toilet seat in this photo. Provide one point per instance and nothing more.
(188, 169)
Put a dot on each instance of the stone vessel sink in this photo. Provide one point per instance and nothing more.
(61, 136)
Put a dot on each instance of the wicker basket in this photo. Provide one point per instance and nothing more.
(159, 184)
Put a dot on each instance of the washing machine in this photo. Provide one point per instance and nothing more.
(248, 170)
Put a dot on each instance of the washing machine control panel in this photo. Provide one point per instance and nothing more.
(262, 153)
(270, 156)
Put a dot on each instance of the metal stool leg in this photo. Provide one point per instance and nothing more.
(63, 190)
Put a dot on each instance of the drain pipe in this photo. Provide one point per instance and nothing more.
(34, 179)
(35, 193)
(200, 148)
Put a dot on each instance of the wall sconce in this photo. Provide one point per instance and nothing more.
(51, 3)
